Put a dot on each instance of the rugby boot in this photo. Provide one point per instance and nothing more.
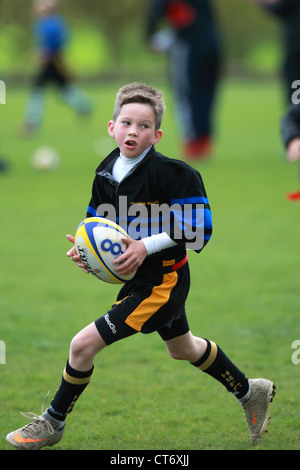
(257, 408)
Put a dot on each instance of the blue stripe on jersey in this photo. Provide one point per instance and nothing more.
(197, 200)
(92, 211)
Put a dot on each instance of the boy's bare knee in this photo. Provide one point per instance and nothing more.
(84, 347)
(79, 345)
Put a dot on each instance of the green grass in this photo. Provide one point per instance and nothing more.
(244, 293)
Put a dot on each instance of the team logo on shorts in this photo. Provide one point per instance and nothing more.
(110, 324)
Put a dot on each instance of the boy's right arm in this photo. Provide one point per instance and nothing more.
(293, 150)
(290, 132)
(72, 253)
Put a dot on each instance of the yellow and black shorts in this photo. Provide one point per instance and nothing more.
(154, 300)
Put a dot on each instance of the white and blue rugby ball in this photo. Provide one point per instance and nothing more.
(98, 243)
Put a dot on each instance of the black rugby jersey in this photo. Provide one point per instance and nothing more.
(160, 194)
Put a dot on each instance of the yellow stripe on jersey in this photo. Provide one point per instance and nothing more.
(149, 306)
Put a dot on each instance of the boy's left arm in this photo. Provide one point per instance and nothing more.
(190, 209)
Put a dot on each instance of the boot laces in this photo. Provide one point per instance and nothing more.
(37, 419)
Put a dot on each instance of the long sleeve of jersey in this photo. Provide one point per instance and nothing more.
(191, 220)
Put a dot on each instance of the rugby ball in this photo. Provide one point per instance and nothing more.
(99, 242)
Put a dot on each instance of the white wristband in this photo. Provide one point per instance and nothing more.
(158, 242)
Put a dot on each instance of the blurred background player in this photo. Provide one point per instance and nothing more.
(51, 35)
(3, 165)
(194, 52)
(290, 132)
(288, 12)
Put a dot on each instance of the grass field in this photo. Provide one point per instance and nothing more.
(244, 293)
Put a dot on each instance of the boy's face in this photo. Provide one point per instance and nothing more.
(134, 129)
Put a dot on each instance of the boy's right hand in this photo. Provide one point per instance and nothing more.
(72, 253)
(293, 150)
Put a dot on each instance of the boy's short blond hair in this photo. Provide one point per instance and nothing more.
(45, 6)
(141, 93)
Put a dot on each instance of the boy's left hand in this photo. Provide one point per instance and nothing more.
(133, 257)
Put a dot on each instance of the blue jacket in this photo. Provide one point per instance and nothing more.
(51, 34)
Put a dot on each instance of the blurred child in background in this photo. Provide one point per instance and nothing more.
(51, 36)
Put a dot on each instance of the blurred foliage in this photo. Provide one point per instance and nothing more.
(109, 35)
(244, 26)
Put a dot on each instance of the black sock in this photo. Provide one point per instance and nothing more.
(72, 385)
(215, 363)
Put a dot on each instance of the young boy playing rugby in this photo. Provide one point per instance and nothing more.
(154, 300)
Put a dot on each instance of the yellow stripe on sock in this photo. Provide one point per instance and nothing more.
(74, 380)
(211, 358)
